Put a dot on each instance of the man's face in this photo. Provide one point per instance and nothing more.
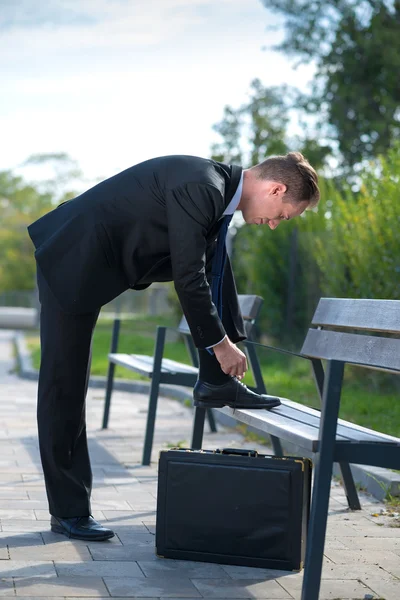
(268, 205)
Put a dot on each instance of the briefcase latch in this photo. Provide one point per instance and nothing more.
(237, 452)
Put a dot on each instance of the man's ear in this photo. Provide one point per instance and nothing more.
(278, 189)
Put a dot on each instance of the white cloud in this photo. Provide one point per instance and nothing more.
(132, 79)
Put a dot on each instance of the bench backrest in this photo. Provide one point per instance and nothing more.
(342, 327)
(250, 306)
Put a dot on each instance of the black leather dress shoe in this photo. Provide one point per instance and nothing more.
(81, 528)
(234, 393)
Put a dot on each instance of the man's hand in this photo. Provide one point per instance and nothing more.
(232, 360)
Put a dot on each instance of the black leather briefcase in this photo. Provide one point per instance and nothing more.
(233, 507)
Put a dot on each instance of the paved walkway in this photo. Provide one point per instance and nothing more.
(362, 554)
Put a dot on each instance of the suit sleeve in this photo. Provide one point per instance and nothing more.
(191, 210)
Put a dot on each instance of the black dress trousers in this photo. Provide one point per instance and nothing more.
(66, 341)
(63, 379)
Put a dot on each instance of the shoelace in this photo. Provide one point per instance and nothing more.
(238, 389)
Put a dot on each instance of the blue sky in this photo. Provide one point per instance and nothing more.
(114, 82)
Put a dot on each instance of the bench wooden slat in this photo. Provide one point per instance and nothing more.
(280, 422)
(363, 453)
(351, 427)
(276, 424)
(371, 315)
(310, 416)
(143, 364)
(250, 306)
(378, 352)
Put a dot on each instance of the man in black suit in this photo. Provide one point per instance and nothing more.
(156, 221)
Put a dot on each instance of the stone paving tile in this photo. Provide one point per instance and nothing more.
(11, 514)
(332, 543)
(239, 588)
(346, 557)
(22, 505)
(339, 530)
(166, 587)
(126, 516)
(363, 572)
(124, 496)
(55, 587)
(25, 525)
(330, 590)
(376, 531)
(4, 555)
(20, 540)
(7, 449)
(31, 478)
(13, 494)
(10, 478)
(99, 568)
(389, 590)
(128, 537)
(26, 469)
(393, 568)
(26, 568)
(138, 552)
(110, 504)
(189, 569)
(39, 494)
(237, 572)
(56, 552)
(373, 543)
(7, 588)
(119, 527)
(151, 526)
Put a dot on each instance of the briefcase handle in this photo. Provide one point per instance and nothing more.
(237, 452)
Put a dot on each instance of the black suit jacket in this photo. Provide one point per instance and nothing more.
(156, 221)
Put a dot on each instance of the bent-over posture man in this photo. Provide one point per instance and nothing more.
(156, 221)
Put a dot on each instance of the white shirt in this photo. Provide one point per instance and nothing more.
(234, 203)
(230, 209)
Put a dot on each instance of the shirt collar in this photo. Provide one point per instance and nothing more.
(233, 204)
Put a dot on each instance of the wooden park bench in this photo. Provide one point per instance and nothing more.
(358, 332)
(163, 370)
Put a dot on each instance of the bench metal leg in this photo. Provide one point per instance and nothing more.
(349, 487)
(347, 475)
(252, 358)
(151, 419)
(153, 397)
(317, 529)
(276, 445)
(261, 389)
(111, 369)
(322, 481)
(198, 428)
(107, 403)
(211, 420)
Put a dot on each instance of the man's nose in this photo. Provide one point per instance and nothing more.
(273, 224)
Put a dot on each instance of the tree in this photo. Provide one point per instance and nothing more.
(355, 236)
(21, 203)
(355, 45)
(259, 128)
(262, 259)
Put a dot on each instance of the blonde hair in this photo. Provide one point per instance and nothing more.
(295, 172)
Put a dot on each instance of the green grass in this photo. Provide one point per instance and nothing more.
(368, 398)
